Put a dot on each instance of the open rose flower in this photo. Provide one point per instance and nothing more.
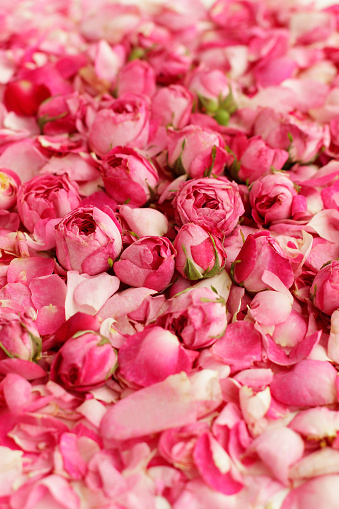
(271, 198)
(197, 317)
(9, 185)
(46, 197)
(148, 262)
(19, 337)
(84, 362)
(87, 240)
(212, 203)
(125, 123)
(128, 176)
(325, 288)
(199, 254)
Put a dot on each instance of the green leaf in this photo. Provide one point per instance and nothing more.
(190, 270)
(208, 171)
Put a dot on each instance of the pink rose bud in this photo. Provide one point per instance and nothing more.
(172, 106)
(212, 203)
(197, 317)
(46, 197)
(196, 151)
(9, 185)
(136, 77)
(126, 123)
(19, 337)
(252, 158)
(271, 198)
(85, 361)
(148, 262)
(325, 288)
(261, 252)
(200, 255)
(55, 115)
(87, 240)
(128, 176)
(152, 355)
(24, 97)
(145, 222)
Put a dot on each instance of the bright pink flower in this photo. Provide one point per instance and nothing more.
(126, 123)
(147, 262)
(199, 254)
(261, 252)
(152, 355)
(271, 198)
(172, 106)
(196, 151)
(197, 317)
(325, 288)
(252, 158)
(136, 77)
(9, 185)
(46, 197)
(212, 203)
(19, 337)
(128, 176)
(86, 239)
(85, 361)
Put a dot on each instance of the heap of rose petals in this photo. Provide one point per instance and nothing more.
(169, 240)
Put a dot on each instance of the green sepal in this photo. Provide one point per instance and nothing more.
(178, 166)
(222, 117)
(208, 171)
(190, 270)
(232, 272)
(136, 54)
(42, 121)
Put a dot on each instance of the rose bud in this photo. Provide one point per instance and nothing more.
(148, 262)
(136, 77)
(55, 115)
(24, 96)
(152, 355)
(46, 196)
(19, 337)
(199, 254)
(325, 288)
(196, 151)
(87, 240)
(252, 158)
(126, 123)
(145, 222)
(261, 252)
(9, 185)
(172, 106)
(212, 203)
(128, 176)
(84, 362)
(197, 317)
(271, 198)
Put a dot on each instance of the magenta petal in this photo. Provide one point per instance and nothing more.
(27, 369)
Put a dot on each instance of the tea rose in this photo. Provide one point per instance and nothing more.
(325, 288)
(212, 203)
(46, 197)
(148, 262)
(128, 176)
(87, 240)
(84, 362)
(19, 337)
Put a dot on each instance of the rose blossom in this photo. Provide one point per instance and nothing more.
(19, 337)
(9, 185)
(46, 196)
(84, 362)
(128, 176)
(137, 77)
(261, 252)
(199, 254)
(125, 123)
(172, 105)
(271, 198)
(325, 288)
(147, 262)
(197, 317)
(86, 239)
(196, 151)
(212, 203)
